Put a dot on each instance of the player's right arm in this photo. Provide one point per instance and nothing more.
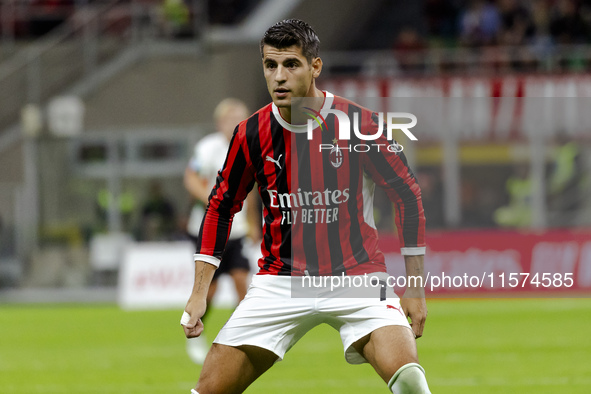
(197, 304)
(233, 183)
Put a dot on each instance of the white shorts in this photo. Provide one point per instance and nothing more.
(270, 318)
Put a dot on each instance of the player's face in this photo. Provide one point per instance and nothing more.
(289, 74)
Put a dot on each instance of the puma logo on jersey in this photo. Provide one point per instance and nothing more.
(269, 158)
(393, 307)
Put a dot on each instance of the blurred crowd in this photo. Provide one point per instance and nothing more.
(469, 23)
(511, 33)
(26, 19)
(508, 22)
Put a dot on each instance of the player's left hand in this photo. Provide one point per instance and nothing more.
(415, 307)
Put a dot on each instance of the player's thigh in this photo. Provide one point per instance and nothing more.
(387, 349)
(229, 369)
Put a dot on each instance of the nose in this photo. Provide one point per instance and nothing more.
(280, 74)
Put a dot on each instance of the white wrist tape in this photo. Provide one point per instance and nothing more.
(185, 320)
(193, 391)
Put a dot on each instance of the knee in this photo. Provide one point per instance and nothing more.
(207, 385)
(204, 389)
(409, 379)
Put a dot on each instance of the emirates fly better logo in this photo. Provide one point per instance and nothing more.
(344, 132)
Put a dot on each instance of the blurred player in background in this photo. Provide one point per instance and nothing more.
(199, 179)
(338, 236)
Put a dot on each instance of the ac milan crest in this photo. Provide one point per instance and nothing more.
(336, 156)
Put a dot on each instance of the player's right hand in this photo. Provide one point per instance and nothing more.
(194, 327)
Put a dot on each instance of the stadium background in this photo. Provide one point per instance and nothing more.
(102, 101)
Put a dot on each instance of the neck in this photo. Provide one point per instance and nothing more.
(294, 115)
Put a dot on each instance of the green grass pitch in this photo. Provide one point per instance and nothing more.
(470, 346)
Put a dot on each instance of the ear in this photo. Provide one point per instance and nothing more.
(316, 67)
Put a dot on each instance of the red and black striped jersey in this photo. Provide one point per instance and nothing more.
(317, 194)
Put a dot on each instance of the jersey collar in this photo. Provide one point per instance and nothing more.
(328, 99)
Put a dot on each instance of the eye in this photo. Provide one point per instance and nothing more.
(292, 64)
(271, 65)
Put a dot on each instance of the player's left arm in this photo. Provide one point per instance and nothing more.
(389, 169)
(392, 173)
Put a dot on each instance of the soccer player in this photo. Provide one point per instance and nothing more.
(333, 189)
(200, 177)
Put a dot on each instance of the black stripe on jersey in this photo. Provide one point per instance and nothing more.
(252, 133)
(410, 220)
(355, 236)
(331, 182)
(301, 149)
(278, 143)
(254, 145)
(402, 157)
